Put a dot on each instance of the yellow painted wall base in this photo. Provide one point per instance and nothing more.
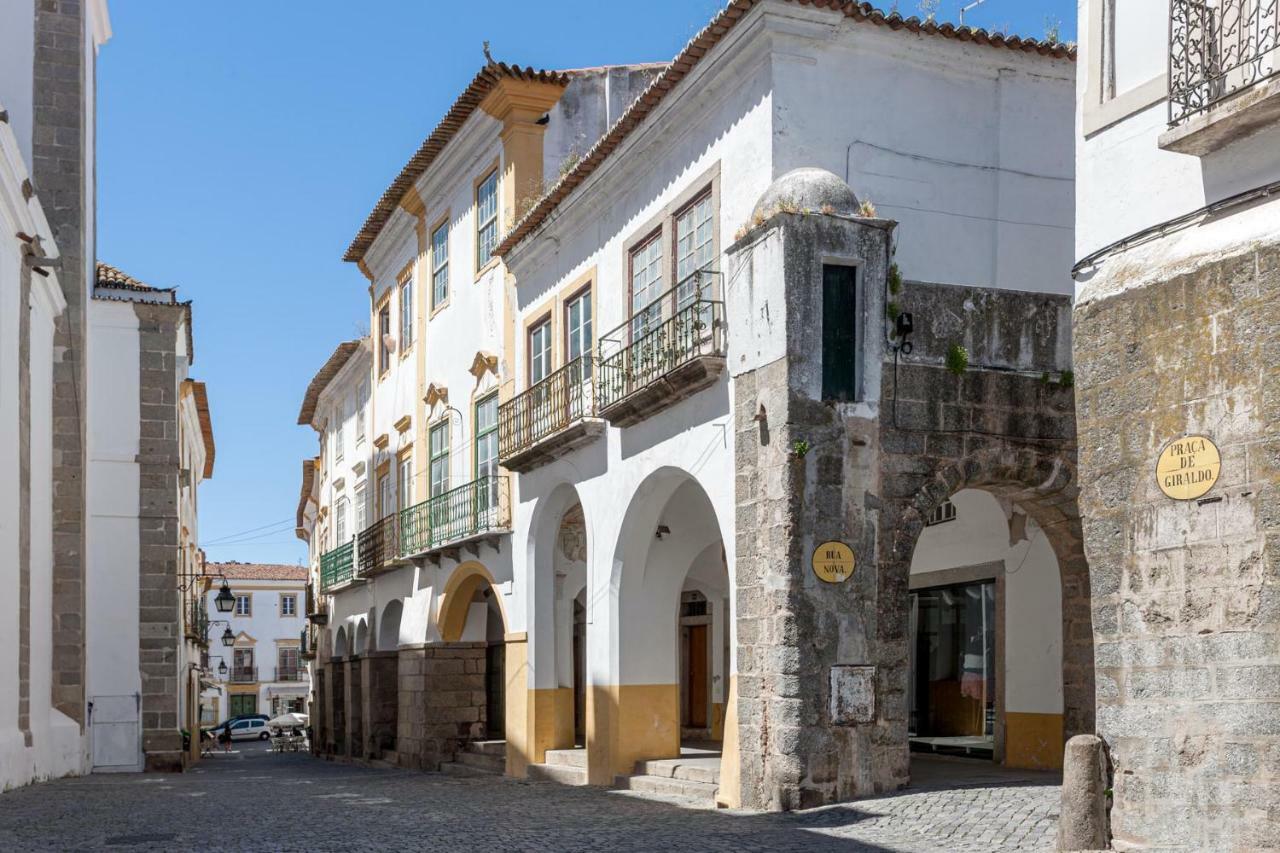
(730, 793)
(1033, 741)
(627, 723)
(517, 712)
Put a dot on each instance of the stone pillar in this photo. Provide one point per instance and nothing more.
(381, 701)
(319, 708)
(337, 744)
(441, 702)
(61, 151)
(1186, 602)
(351, 703)
(159, 463)
(795, 634)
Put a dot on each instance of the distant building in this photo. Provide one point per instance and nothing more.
(263, 672)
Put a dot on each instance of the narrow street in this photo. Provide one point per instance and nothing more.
(253, 799)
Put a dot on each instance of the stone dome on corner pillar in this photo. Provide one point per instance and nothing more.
(807, 189)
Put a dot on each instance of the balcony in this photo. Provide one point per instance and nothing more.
(469, 515)
(669, 350)
(337, 567)
(244, 674)
(290, 673)
(378, 546)
(196, 621)
(551, 418)
(308, 643)
(317, 607)
(1224, 72)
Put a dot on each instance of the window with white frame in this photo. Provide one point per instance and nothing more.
(646, 285)
(440, 265)
(406, 314)
(340, 521)
(404, 485)
(695, 248)
(338, 430)
(577, 324)
(288, 605)
(486, 218)
(244, 604)
(362, 402)
(362, 505)
(540, 352)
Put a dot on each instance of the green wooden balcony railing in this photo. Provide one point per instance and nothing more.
(337, 566)
(473, 509)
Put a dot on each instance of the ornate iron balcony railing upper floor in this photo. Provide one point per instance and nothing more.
(337, 566)
(470, 511)
(1218, 48)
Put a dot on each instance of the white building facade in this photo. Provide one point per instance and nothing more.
(600, 553)
(263, 671)
(44, 285)
(1177, 336)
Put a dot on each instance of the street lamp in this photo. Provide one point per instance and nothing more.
(222, 668)
(228, 638)
(224, 600)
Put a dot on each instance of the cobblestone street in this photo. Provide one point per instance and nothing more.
(255, 800)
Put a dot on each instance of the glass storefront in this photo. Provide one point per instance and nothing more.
(952, 687)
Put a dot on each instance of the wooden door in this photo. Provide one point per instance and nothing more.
(696, 687)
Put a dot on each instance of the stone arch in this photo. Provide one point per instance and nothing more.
(455, 598)
(340, 644)
(361, 644)
(389, 626)
(1041, 480)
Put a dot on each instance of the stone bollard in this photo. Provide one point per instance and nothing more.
(1082, 824)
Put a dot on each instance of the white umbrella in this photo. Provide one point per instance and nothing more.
(288, 721)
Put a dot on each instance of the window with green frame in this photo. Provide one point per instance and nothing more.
(439, 458)
(486, 448)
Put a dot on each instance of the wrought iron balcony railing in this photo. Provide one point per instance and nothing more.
(475, 509)
(197, 621)
(378, 545)
(290, 673)
(244, 674)
(678, 327)
(566, 396)
(337, 566)
(1218, 48)
(307, 642)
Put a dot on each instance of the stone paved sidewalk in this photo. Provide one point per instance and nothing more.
(254, 800)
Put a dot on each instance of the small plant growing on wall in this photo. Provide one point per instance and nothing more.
(867, 209)
(799, 448)
(957, 359)
(895, 279)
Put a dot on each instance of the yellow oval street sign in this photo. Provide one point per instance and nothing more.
(833, 562)
(1188, 467)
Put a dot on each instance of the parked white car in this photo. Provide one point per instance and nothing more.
(249, 730)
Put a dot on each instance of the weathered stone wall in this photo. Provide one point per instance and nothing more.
(337, 743)
(160, 601)
(1185, 593)
(380, 701)
(442, 702)
(353, 702)
(822, 668)
(59, 154)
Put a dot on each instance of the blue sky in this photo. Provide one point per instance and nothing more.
(242, 143)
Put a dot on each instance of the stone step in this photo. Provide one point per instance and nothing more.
(483, 761)
(685, 769)
(667, 786)
(488, 747)
(567, 757)
(563, 773)
(454, 768)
